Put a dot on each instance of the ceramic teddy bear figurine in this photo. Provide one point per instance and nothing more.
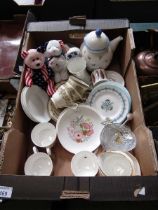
(54, 51)
(36, 73)
(59, 66)
(53, 48)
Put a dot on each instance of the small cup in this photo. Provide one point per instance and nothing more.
(98, 76)
(38, 164)
(61, 98)
(43, 135)
(69, 93)
(77, 67)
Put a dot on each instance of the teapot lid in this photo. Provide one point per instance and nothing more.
(96, 41)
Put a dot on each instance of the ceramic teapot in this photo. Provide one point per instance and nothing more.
(98, 50)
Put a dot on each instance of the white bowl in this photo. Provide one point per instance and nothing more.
(116, 163)
(79, 129)
(84, 164)
(38, 164)
(43, 135)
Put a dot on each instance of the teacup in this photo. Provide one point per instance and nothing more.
(43, 135)
(38, 164)
(98, 76)
(77, 67)
(69, 93)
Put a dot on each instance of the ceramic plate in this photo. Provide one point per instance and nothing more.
(43, 134)
(79, 129)
(37, 103)
(114, 76)
(117, 137)
(137, 171)
(115, 163)
(111, 101)
(84, 164)
(38, 164)
(24, 104)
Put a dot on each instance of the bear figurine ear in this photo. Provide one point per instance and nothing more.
(24, 54)
(42, 48)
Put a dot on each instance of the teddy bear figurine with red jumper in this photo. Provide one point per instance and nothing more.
(36, 73)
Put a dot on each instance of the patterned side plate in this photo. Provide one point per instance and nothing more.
(111, 100)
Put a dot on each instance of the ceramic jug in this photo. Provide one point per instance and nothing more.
(98, 50)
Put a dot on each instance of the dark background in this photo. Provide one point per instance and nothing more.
(136, 11)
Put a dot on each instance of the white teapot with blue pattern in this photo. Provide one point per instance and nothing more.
(98, 50)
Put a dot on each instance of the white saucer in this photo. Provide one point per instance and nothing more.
(38, 164)
(37, 103)
(116, 163)
(114, 76)
(24, 104)
(79, 129)
(111, 100)
(84, 164)
(137, 171)
(43, 135)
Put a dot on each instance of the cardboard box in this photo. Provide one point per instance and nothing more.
(62, 185)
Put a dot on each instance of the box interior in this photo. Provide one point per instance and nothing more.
(18, 139)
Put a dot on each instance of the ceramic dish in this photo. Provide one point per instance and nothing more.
(117, 137)
(36, 102)
(84, 164)
(79, 129)
(43, 135)
(111, 100)
(38, 164)
(116, 163)
(24, 104)
(114, 76)
(137, 171)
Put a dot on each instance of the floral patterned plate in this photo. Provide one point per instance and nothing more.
(79, 129)
(111, 100)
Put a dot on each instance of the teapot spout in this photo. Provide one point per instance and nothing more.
(114, 43)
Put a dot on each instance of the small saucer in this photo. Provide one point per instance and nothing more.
(114, 76)
(115, 163)
(84, 164)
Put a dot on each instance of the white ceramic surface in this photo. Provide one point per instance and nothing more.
(115, 76)
(84, 164)
(36, 104)
(137, 170)
(111, 100)
(24, 104)
(38, 164)
(115, 163)
(96, 41)
(79, 129)
(72, 53)
(43, 135)
(77, 67)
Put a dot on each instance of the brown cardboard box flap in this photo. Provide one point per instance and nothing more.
(13, 152)
(145, 151)
(64, 25)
